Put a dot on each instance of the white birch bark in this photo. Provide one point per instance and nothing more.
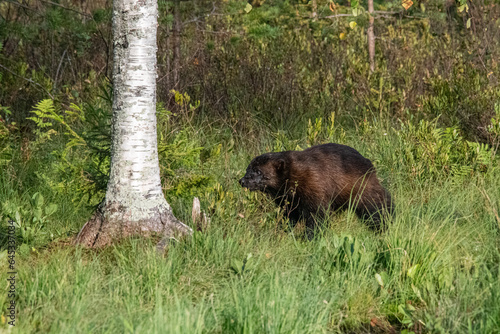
(134, 202)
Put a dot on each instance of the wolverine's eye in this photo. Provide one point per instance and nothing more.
(258, 172)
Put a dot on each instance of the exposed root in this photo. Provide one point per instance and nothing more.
(100, 231)
(89, 233)
(172, 227)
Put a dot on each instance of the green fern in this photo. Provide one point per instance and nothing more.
(45, 112)
(482, 154)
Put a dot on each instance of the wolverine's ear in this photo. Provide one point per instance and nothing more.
(280, 164)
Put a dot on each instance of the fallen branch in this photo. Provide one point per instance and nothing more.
(375, 14)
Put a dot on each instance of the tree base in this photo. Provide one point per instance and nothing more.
(111, 222)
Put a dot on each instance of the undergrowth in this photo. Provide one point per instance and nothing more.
(434, 270)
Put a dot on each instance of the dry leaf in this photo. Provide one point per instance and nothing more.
(406, 4)
(332, 6)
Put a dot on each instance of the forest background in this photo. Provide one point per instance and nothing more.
(236, 80)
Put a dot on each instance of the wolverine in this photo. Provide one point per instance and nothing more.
(324, 177)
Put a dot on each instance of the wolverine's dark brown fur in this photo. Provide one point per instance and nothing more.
(330, 176)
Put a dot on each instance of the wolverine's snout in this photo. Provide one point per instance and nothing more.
(242, 182)
(249, 183)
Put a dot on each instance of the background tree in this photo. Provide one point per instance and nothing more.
(371, 37)
(134, 202)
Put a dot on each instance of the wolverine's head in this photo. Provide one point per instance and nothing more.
(265, 173)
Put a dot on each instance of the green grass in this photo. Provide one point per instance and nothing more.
(436, 269)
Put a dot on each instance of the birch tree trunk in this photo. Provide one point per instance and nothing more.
(134, 202)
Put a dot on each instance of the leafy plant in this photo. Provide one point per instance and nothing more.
(30, 221)
(240, 267)
(183, 101)
(318, 132)
(440, 150)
